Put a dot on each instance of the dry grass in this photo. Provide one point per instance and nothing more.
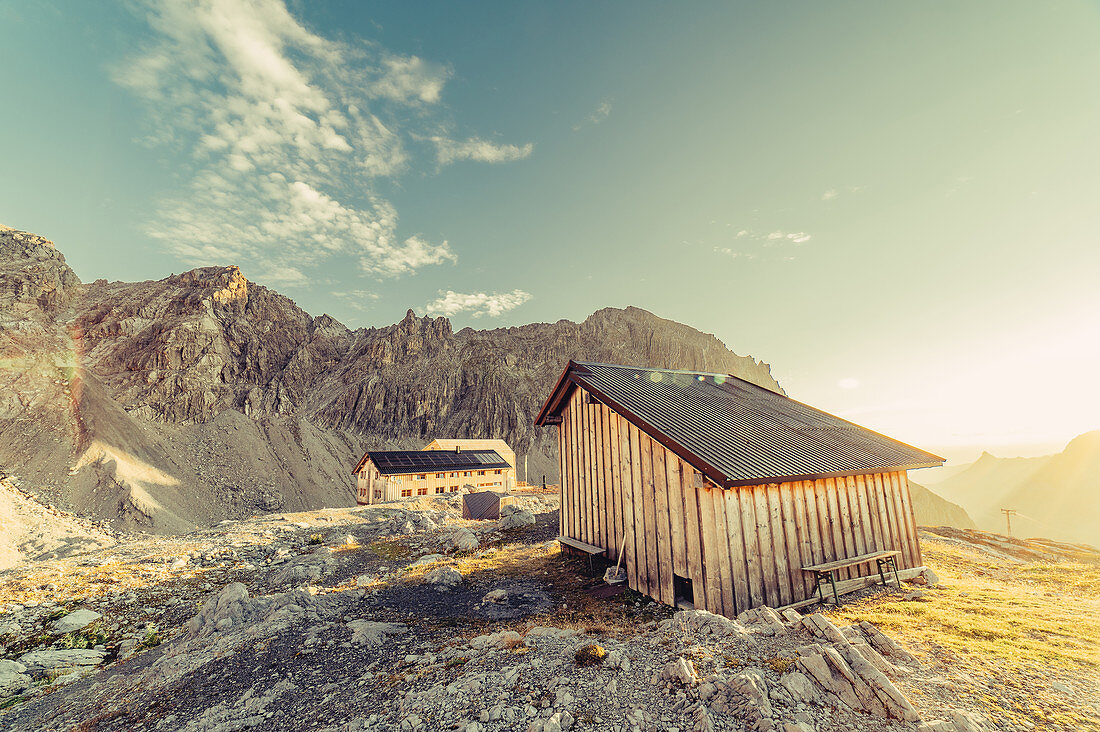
(991, 619)
(589, 654)
(1017, 614)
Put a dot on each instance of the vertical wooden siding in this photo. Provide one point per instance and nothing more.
(740, 547)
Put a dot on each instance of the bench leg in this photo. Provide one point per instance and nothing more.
(881, 573)
(832, 581)
(894, 565)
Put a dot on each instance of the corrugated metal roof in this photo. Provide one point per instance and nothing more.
(403, 462)
(735, 431)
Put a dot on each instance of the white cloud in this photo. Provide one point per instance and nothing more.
(477, 304)
(411, 78)
(734, 254)
(285, 132)
(285, 276)
(602, 112)
(848, 383)
(833, 193)
(449, 151)
(779, 242)
(356, 298)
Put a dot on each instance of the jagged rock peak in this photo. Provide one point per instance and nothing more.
(14, 242)
(226, 284)
(411, 325)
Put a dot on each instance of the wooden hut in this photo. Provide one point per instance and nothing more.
(720, 490)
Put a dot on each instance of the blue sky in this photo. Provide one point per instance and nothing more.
(893, 203)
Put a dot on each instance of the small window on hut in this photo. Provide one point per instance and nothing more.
(683, 592)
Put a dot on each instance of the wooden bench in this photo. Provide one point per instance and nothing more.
(884, 559)
(590, 549)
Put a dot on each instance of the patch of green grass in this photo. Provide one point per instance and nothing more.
(316, 538)
(89, 637)
(11, 702)
(390, 550)
(780, 665)
(151, 638)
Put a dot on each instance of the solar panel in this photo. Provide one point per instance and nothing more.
(390, 462)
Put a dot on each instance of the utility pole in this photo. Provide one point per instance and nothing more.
(1009, 513)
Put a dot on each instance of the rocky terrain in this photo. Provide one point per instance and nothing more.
(405, 616)
(30, 531)
(170, 404)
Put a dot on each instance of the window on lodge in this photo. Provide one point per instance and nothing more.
(454, 489)
(481, 472)
(422, 476)
(378, 494)
(439, 489)
(406, 492)
(421, 491)
(496, 472)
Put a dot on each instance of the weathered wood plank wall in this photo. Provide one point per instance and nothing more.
(740, 547)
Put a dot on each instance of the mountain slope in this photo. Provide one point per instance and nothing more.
(1056, 496)
(203, 396)
(931, 509)
(983, 486)
(1061, 499)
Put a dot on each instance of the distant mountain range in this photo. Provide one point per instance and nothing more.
(1056, 496)
(204, 396)
(932, 509)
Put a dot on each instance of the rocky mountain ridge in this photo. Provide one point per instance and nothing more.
(204, 396)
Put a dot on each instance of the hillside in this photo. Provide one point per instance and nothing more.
(370, 619)
(31, 531)
(931, 509)
(1061, 499)
(1057, 496)
(202, 396)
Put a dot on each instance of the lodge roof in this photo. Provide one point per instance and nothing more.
(733, 431)
(403, 462)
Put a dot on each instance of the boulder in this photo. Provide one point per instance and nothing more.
(443, 578)
(427, 559)
(13, 678)
(503, 639)
(76, 620)
(464, 540)
(681, 670)
(498, 596)
(48, 662)
(517, 519)
(372, 633)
